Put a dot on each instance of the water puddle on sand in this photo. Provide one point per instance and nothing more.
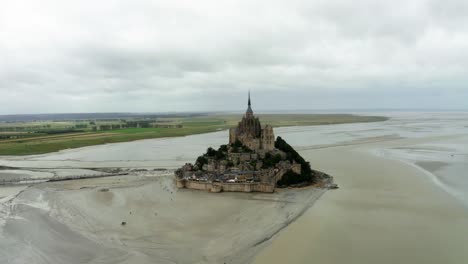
(23, 174)
(445, 161)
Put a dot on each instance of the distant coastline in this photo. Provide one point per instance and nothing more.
(23, 138)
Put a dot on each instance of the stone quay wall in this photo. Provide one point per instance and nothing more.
(226, 187)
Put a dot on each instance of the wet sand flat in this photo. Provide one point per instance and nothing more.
(137, 219)
(386, 211)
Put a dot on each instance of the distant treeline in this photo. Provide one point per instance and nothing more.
(59, 131)
(91, 116)
(134, 124)
(23, 128)
(21, 131)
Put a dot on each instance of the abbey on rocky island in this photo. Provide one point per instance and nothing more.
(253, 161)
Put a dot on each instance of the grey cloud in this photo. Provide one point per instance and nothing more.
(182, 56)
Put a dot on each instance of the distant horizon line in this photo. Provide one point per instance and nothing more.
(258, 111)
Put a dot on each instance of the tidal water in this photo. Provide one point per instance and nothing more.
(445, 158)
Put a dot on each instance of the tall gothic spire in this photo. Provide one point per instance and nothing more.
(249, 109)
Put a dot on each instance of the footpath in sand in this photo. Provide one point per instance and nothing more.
(386, 211)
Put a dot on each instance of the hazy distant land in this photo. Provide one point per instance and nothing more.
(38, 134)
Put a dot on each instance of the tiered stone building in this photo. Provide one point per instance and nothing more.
(250, 133)
(234, 168)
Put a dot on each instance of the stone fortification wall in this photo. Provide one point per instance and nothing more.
(247, 187)
(226, 187)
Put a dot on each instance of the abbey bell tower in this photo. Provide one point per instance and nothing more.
(250, 133)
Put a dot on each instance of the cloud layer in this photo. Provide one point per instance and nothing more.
(152, 56)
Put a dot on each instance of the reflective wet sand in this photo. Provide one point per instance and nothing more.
(141, 219)
(401, 201)
(386, 211)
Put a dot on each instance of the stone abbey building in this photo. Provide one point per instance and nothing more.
(250, 133)
(253, 161)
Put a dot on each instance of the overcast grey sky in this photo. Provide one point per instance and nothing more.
(152, 56)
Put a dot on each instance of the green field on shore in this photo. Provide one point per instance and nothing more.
(37, 142)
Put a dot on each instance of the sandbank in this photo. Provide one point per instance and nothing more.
(386, 211)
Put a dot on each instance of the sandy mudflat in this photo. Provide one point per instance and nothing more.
(386, 211)
(81, 222)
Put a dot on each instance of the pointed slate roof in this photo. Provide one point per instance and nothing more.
(249, 108)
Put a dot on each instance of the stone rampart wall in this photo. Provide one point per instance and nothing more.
(226, 187)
